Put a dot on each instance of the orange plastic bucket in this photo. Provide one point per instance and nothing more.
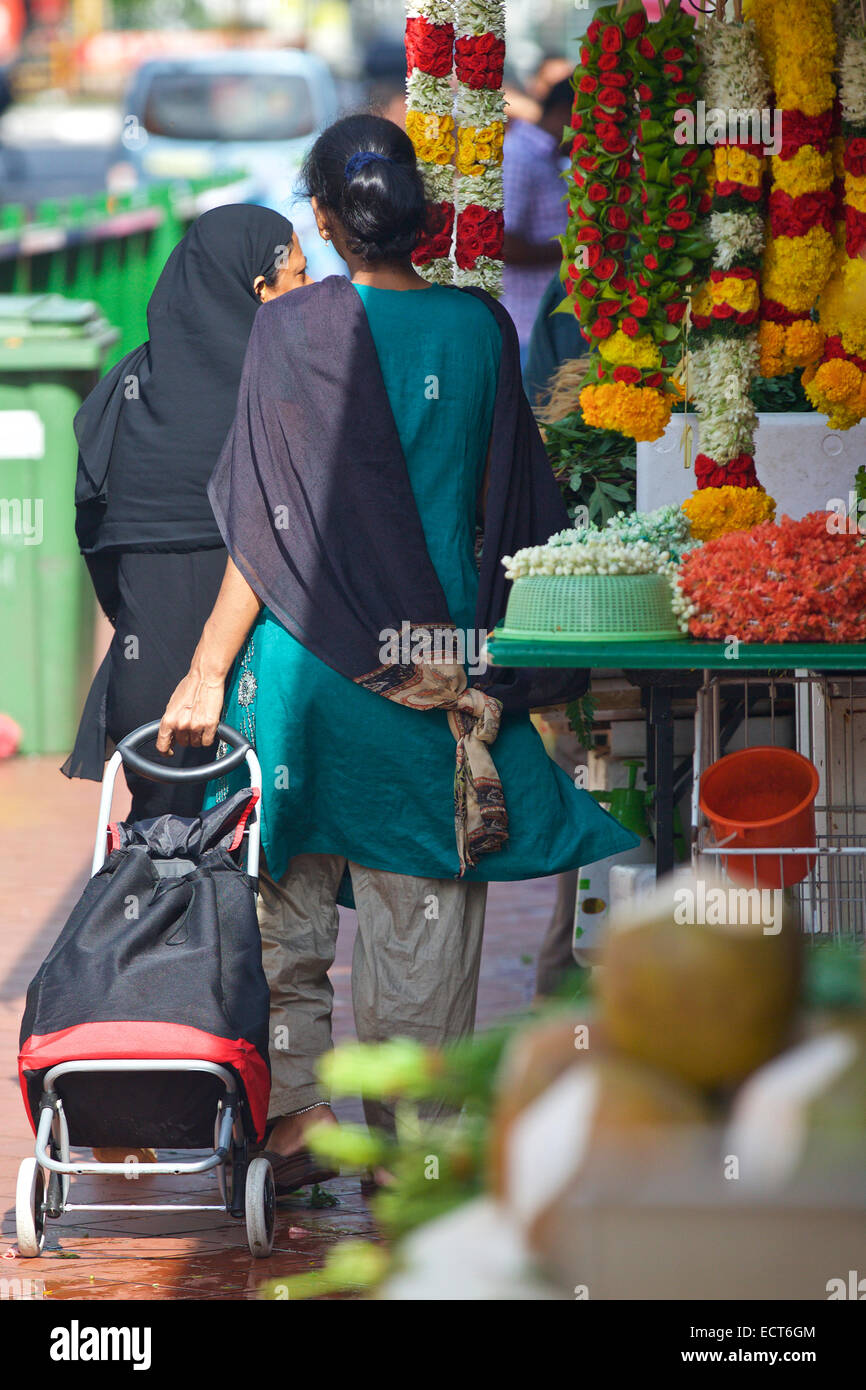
(759, 798)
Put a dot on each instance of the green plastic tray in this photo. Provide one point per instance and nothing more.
(591, 608)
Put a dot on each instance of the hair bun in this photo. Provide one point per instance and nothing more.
(359, 161)
(364, 170)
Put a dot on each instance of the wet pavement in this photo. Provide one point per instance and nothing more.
(46, 830)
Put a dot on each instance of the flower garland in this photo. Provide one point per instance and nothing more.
(791, 582)
(463, 239)
(431, 127)
(479, 54)
(628, 86)
(837, 386)
(724, 311)
(799, 44)
(666, 528)
(641, 543)
(715, 511)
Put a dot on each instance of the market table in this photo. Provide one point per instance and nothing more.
(672, 657)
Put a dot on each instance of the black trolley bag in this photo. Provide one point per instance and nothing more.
(147, 1023)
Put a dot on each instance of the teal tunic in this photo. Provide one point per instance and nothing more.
(348, 772)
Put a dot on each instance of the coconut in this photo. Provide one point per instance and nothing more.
(599, 1130)
(701, 979)
(802, 1117)
(532, 1062)
(472, 1253)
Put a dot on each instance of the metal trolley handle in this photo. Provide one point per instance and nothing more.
(126, 754)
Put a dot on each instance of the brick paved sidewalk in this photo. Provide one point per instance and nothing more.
(46, 842)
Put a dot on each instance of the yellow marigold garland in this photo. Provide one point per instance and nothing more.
(432, 135)
(638, 411)
(837, 386)
(799, 46)
(477, 148)
(714, 511)
(742, 295)
(630, 352)
(793, 266)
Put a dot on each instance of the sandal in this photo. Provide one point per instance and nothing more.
(293, 1171)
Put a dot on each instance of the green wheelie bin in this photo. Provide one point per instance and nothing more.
(52, 351)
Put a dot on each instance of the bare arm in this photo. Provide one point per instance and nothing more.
(194, 710)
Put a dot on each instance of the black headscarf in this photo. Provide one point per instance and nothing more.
(151, 431)
(314, 502)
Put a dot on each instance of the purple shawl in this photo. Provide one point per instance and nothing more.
(313, 498)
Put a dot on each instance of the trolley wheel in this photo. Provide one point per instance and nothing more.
(29, 1217)
(260, 1207)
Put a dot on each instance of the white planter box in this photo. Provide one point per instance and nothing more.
(800, 462)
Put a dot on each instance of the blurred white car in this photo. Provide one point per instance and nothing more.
(242, 111)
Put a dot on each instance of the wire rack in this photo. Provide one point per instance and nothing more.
(823, 716)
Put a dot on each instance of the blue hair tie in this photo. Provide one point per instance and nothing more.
(360, 160)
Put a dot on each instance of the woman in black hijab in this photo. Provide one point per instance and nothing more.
(149, 435)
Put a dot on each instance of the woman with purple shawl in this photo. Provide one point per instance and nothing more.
(380, 425)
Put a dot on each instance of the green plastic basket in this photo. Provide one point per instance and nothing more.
(593, 607)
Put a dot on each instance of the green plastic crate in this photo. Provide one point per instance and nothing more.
(591, 607)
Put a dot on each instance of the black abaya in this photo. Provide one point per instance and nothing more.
(149, 435)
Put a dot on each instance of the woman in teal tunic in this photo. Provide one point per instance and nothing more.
(354, 783)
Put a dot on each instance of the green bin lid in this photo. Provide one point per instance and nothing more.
(47, 332)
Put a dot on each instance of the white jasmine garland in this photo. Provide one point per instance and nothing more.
(478, 108)
(425, 92)
(438, 272)
(486, 274)
(434, 11)
(734, 235)
(598, 554)
(852, 79)
(720, 372)
(666, 527)
(438, 180)
(735, 77)
(484, 188)
(851, 48)
(480, 17)
(720, 376)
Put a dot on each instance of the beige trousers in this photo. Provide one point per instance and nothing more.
(414, 970)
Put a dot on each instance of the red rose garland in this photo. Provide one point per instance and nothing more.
(627, 89)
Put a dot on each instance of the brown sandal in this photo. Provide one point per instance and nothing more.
(300, 1169)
